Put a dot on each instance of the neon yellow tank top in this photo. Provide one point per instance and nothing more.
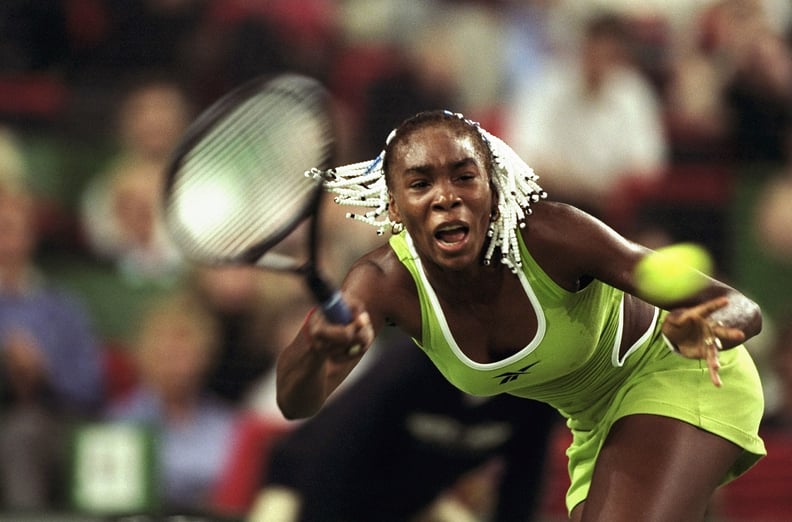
(575, 350)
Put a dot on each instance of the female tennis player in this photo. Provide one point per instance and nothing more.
(508, 292)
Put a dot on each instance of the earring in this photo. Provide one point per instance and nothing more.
(396, 228)
(494, 215)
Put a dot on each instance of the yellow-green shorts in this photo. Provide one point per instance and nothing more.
(680, 388)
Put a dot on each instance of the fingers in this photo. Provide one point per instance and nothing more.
(708, 307)
(706, 344)
(341, 342)
(691, 327)
(712, 345)
(727, 333)
(364, 335)
(699, 311)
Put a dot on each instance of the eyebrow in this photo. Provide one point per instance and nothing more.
(424, 169)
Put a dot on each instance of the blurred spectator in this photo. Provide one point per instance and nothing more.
(774, 217)
(175, 350)
(116, 43)
(763, 493)
(727, 107)
(774, 211)
(121, 39)
(267, 36)
(237, 46)
(409, 85)
(458, 47)
(696, 117)
(286, 315)
(153, 114)
(33, 36)
(586, 126)
(779, 418)
(760, 98)
(34, 48)
(237, 298)
(50, 358)
(131, 257)
(763, 236)
(121, 205)
(532, 39)
(399, 438)
(263, 423)
(122, 218)
(761, 241)
(461, 30)
(755, 62)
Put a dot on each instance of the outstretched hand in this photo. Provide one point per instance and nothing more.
(696, 335)
(340, 342)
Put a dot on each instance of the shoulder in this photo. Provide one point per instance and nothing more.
(570, 244)
(382, 270)
(553, 224)
(380, 264)
(384, 286)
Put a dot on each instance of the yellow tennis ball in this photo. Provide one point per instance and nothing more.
(673, 273)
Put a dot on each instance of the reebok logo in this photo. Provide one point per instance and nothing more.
(511, 376)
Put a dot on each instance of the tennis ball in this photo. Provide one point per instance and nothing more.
(673, 273)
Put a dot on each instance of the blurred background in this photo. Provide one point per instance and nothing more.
(670, 120)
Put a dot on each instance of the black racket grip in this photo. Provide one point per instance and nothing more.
(333, 305)
(336, 309)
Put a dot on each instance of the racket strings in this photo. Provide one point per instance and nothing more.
(213, 158)
(244, 178)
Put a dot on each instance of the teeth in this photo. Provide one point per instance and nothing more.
(449, 227)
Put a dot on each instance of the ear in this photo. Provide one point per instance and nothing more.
(494, 199)
(393, 210)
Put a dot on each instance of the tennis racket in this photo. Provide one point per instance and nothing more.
(238, 183)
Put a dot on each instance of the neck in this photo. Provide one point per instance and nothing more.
(178, 410)
(178, 400)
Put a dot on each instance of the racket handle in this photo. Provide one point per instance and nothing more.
(333, 305)
(336, 310)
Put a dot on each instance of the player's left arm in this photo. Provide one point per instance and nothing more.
(574, 247)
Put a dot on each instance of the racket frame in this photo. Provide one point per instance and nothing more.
(204, 124)
(329, 298)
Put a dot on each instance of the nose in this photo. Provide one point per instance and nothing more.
(445, 197)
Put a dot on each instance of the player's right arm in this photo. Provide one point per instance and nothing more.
(323, 353)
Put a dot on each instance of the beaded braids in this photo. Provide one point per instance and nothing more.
(365, 184)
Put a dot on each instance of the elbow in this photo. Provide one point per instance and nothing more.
(294, 412)
(757, 320)
(750, 313)
(742, 313)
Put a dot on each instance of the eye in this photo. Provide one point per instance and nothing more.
(466, 176)
(418, 184)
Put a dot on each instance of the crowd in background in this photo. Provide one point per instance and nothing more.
(671, 121)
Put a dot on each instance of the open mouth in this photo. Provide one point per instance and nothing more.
(451, 234)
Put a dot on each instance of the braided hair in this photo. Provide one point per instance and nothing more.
(365, 184)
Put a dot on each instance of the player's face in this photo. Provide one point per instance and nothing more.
(441, 192)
